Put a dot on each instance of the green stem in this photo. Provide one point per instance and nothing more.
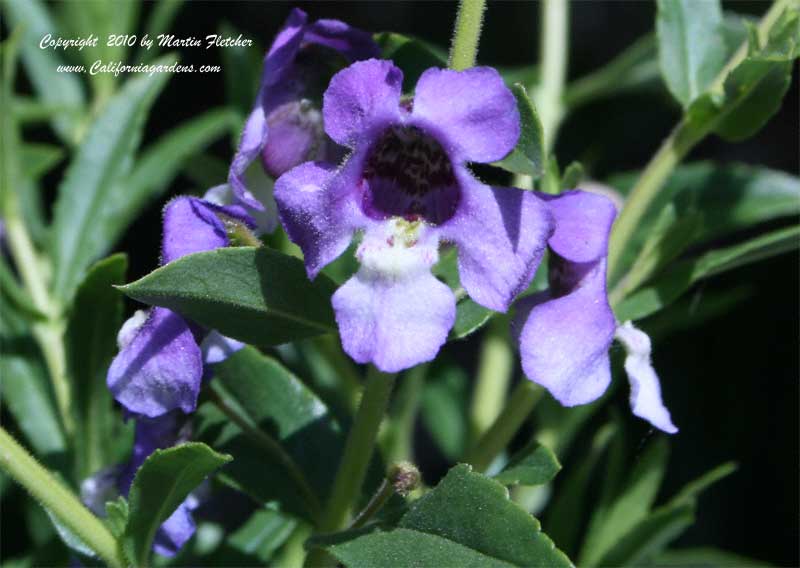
(554, 49)
(496, 438)
(382, 495)
(346, 372)
(358, 452)
(271, 447)
(58, 500)
(293, 553)
(49, 334)
(495, 367)
(464, 49)
(398, 441)
(682, 139)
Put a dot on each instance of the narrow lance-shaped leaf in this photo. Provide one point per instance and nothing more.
(162, 483)
(255, 295)
(62, 90)
(80, 228)
(691, 46)
(534, 464)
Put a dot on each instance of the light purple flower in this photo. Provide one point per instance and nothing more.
(407, 187)
(159, 367)
(566, 331)
(285, 127)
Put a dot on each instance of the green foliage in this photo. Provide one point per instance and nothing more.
(534, 464)
(691, 46)
(269, 399)
(91, 332)
(528, 158)
(162, 483)
(81, 223)
(256, 295)
(445, 528)
(445, 399)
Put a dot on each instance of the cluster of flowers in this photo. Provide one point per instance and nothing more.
(360, 158)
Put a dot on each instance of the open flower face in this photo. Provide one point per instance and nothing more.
(285, 127)
(407, 188)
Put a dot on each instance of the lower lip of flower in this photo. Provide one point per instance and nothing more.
(408, 174)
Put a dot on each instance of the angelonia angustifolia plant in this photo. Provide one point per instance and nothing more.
(384, 202)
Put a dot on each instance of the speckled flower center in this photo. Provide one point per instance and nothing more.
(409, 175)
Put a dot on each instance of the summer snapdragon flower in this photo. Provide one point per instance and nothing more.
(285, 127)
(566, 331)
(159, 367)
(407, 187)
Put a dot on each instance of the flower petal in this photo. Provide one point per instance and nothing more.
(582, 223)
(190, 225)
(361, 97)
(317, 208)
(353, 43)
(501, 234)
(474, 108)
(394, 313)
(296, 136)
(254, 136)
(264, 220)
(175, 531)
(285, 46)
(160, 369)
(564, 342)
(645, 388)
(216, 347)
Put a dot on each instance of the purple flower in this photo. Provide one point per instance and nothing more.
(406, 186)
(566, 331)
(285, 127)
(160, 363)
(151, 434)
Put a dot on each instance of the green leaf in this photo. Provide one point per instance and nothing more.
(103, 19)
(271, 399)
(412, 55)
(572, 177)
(445, 403)
(26, 395)
(158, 166)
(256, 295)
(724, 198)
(162, 483)
(667, 288)
(635, 69)
(532, 465)
(752, 91)
(16, 294)
(612, 520)
(262, 534)
(81, 227)
(467, 520)
(691, 46)
(704, 558)
(528, 157)
(159, 22)
(62, 90)
(664, 524)
(91, 343)
(117, 516)
(470, 317)
(38, 159)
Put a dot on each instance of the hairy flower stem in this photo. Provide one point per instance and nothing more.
(376, 503)
(464, 49)
(357, 455)
(495, 366)
(58, 500)
(554, 49)
(521, 403)
(49, 333)
(679, 143)
(397, 443)
(273, 448)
